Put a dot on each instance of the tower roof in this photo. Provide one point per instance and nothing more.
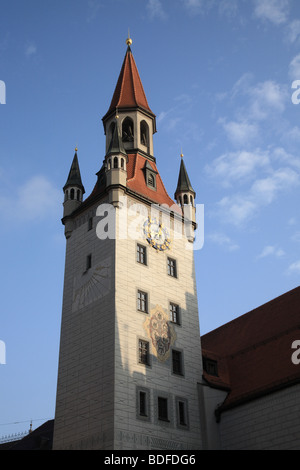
(129, 91)
(74, 178)
(184, 183)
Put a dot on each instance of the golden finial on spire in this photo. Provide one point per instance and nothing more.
(76, 148)
(128, 40)
(181, 154)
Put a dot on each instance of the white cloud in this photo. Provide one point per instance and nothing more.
(237, 166)
(155, 9)
(264, 190)
(267, 97)
(271, 251)
(240, 132)
(237, 209)
(294, 268)
(223, 240)
(294, 68)
(92, 9)
(36, 199)
(240, 207)
(194, 6)
(228, 8)
(30, 49)
(293, 31)
(275, 11)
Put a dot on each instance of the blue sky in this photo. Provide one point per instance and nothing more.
(218, 75)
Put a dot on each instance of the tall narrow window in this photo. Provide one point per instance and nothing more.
(143, 404)
(174, 313)
(143, 352)
(172, 268)
(177, 362)
(90, 223)
(142, 301)
(144, 135)
(181, 413)
(162, 404)
(88, 262)
(141, 254)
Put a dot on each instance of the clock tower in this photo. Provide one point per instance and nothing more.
(130, 359)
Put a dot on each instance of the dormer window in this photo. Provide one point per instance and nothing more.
(151, 180)
(150, 176)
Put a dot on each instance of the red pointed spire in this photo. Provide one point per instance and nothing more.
(129, 91)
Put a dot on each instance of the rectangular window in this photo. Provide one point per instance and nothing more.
(177, 362)
(181, 413)
(90, 223)
(174, 313)
(172, 269)
(182, 418)
(141, 254)
(210, 366)
(162, 404)
(142, 301)
(143, 404)
(88, 262)
(143, 352)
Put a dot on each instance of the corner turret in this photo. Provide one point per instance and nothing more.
(73, 194)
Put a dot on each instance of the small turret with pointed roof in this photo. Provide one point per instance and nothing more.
(73, 191)
(185, 194)
(184, 189)
(74, 178)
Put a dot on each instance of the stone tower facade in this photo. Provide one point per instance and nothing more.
(130, 359)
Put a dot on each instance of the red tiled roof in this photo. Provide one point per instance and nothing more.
(129, 91)
(254, 351)
(137, 183)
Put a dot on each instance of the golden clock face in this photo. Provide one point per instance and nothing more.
(157, 235)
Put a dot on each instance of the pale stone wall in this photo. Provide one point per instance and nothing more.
(85, 406)
(100, 376)
(156, 379)
(268, 423)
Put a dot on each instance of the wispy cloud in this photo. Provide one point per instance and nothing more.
(223, 241)
(227, 8)
(275, 11)
(235, 167)
(271, 251)
(36, 199)
(262, 102)
(155, 9)
(30, 49)
(92, 10)
(293, 31)
(294, 268)
(239, 207)
(294, 68)
(240, 132)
